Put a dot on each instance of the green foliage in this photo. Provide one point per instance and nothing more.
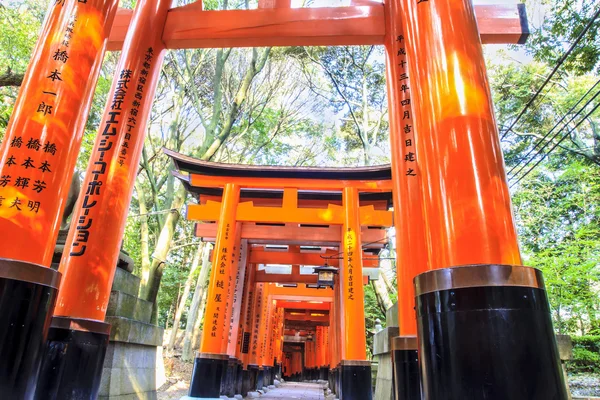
(563, 23)
(558, 220)
(514, 84)
(586, 354)
(20, 22)
(372, 313)
(589, 342)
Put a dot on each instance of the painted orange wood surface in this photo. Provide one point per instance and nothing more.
(43, 136)
(191, 27)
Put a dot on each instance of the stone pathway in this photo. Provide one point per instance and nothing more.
(296, 391)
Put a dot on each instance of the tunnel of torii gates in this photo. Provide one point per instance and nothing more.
(474, 323)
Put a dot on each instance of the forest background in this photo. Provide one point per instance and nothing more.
(328, 107)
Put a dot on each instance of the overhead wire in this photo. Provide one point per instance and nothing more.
(554, 70)
(550, 140)
(540, 141)
(568, 134)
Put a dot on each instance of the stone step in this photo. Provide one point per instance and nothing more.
(131, 331)
(126, 282)
(122, 304)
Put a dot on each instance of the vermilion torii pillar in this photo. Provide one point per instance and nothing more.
(355, 369)
(234, 348)
(92, 247)
(479, 301)
(37, 160)
(409, 221)
(211, 362)
(249, 372)
(233, 307)
(253, 366)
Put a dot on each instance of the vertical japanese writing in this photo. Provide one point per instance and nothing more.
(350, 245)
(136, 104)
(406, 126)
(29, 166)
(256, 326)
(107, 141)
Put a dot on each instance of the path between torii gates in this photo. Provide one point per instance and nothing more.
(296, 391)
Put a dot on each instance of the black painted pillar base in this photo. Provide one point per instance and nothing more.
(239, 377)
(27, 296)
(249, 378)
(209, 371)
(407, 380)
(72, 365)
(485, 332)
(278, 371)
(331, 379)
(336, 380)
(323, 373)
(228, 383)
(355, 380)
(268, 373)
(260, 378)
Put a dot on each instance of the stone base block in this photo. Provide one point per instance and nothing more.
(384, 387)
(131, 369)
(137, 396)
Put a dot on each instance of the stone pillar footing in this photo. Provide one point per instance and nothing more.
(209, 371)
(72, 366)
(27, 296)
(355, 380)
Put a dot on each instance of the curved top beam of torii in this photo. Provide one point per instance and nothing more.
(359, 24)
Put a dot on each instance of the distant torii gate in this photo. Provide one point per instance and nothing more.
(452, 206)
(234, 196)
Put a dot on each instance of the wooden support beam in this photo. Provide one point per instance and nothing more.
(375, 186)
(315, 259)
(289, 213)
(191, 27)
(304, 203)
(262, 276)
(305, 236)
(303, 305)
(305, 317)
(300, 293)
(303, 325)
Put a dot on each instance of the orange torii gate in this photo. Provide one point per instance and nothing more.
(448, 182)
(348, 199)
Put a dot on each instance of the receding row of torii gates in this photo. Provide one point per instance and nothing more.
(474, 323)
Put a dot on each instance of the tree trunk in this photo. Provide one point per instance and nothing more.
(256, 66)
(199, 321)
(184, 296)
(388, 285)
(144, 230)
(194, 315)
(151, 278)
(169, 316)
(382, 294)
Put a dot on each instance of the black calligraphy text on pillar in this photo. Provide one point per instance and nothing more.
(405, 105)
(108, 147)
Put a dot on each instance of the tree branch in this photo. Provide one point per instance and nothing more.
(11, 79)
